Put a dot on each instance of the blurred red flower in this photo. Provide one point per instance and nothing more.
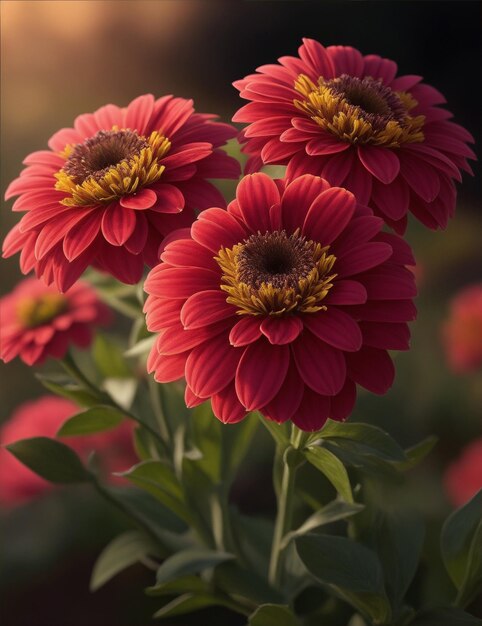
(109, 189)
(462, 332)
(43, 418)
(38, 321)
(463, 477)
(347, 117)
(281, 303)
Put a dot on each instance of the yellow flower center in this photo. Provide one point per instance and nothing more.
(275, 274)
(39, 310)
(360, 111)
(110, 165)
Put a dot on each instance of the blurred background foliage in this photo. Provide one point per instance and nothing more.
(63, 58)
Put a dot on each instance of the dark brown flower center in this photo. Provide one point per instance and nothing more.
(376, 103)
(276, 259)
(97, 155)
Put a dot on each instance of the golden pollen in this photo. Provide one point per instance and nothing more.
(110, 165)
(275, 274)
(39, 310)
(360, 110)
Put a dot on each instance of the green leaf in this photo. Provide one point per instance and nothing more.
(363, 439)
(94, 420)
(237, 581)
(50, 459)
(141, 348)
(461, 543)
(445, 617)
(121, 390)
(279, 432)
(350, 569)
(189, 562)
(399, 540)
(186, 584)
(273, 615)
(332, 468)
(332, 512)
(119, 554)
(188, 603)
(72, 392)
(158, 479)
(417, 453)
(109, 358)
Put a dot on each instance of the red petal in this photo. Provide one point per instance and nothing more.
(312, 412)
(211, 366)
(245, 331)
(386, 336)
(371, 368)
(226, 406)
(281, 330)
(363, 257)
(320, 366)
(297, 199)
(255, 194)
(141, 200)
(329, 214)
(118, 224)
(260, 373)
(336, 328)
(204, 308)
(216, 228)
(81, 235)
(288, 399)
(347, 292)
(180, 282)
(381, 162)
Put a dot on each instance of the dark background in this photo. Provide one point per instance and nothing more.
(60, 59)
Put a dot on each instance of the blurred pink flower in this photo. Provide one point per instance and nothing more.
(462, 331)
(42, 418)
(38, 321)
(110, 189)
(463, 478)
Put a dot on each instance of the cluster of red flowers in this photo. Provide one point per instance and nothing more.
(291, 297)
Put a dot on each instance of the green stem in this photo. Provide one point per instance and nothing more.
(285, 511)
(73, 369)
(156, 404)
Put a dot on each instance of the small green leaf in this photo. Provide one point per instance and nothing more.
(121, 390)
(141, 348)
(189, 562)
(50, 459)
(94, 420)
(457, 537)
(447, 616)
(159, 480)
(186, 584)
(72, 392)
(119, 554)
(109, 358)
(417, 453)
(188, 603)
(364, 439)
(350, 569)
(235, 580)
(273, 615)
(332, 512)
(332, 468)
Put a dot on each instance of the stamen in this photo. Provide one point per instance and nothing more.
(33, 311)
(274, 274)
(110, 165)
(360, 110)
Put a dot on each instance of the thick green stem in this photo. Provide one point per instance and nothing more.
(156, 404)
(285, 510)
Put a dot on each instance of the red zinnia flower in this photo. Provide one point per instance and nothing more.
(38, 321)
(281, 303)
(462, 332)
(463, 477)
(43, 418)
(109, 189)
(347, 117)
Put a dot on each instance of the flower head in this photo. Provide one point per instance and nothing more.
(42, 418)
(463, 478)
(347, 117)
(111, 188)
(38, 322)
(281, 304)
(462, 332)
